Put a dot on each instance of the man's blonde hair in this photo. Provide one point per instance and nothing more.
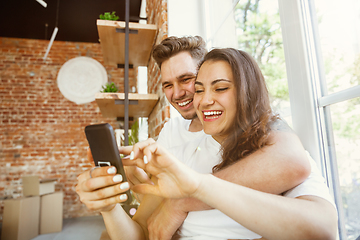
(171, 46)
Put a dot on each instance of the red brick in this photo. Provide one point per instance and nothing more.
(41, 131)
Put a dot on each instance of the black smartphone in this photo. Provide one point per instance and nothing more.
(105, 152)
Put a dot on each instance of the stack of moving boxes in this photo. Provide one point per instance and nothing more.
(40, 211)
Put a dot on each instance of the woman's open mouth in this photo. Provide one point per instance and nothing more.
(211, 115)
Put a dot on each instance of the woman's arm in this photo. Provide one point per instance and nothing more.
(120, 226)
(272, 216)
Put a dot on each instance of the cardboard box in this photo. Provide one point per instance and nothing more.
(32, 186)
(21, 218)
(51, 212)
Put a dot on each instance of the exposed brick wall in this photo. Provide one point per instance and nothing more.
(157, 14)
(41, 132)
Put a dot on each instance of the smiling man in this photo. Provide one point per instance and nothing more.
(178, 76)
(178, 59)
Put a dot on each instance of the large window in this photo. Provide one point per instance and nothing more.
(339, 39)
(345, 123)
(259, 33)
(322, 52)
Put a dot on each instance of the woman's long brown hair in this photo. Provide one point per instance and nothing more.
(252, 124)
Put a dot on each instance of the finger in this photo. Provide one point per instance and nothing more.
(128, 162)
(137, 175)
(103, 171)
(100, 182)
(156, 152)
(146, 189)
(86, 175)
(104, 203)
(149, 151)
(108, 192)
(161, 159)
(126, 150)
(140, 164)
(97, 172)
(129, 171)
(142, 176)
(138, 147)
(83, 176)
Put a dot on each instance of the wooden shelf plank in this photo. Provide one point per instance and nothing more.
(140, 105)
(113, 43)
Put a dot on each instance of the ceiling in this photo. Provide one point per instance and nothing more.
(76, 18)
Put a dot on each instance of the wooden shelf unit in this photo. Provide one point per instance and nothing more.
(112, 104)
(112, 41)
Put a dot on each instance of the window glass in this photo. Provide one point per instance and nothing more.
(339, 37)
(259, 33)
(346, 128)
(339, 33)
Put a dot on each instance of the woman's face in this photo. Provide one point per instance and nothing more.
(215, 98)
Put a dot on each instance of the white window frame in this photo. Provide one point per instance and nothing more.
(307, 90)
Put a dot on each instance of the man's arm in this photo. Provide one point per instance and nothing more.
(273, 169)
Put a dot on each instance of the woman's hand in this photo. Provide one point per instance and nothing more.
(100, 189)
(175, 180)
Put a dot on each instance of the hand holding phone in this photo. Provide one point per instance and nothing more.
(101, 139)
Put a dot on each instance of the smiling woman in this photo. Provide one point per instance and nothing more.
(232, 102)
(215, 98)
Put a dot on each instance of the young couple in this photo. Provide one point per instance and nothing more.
(243, 144)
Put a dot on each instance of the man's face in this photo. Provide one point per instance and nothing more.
(178, 75)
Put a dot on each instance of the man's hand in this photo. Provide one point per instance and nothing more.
(166, 219)
(136, 176)
(100, 189)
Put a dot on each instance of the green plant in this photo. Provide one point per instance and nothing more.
(109, 16)
(134, 133)
(109, 87)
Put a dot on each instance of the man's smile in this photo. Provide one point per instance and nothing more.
(183, 104)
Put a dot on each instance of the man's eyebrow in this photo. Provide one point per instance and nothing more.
(164, 83)
(189, 74)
